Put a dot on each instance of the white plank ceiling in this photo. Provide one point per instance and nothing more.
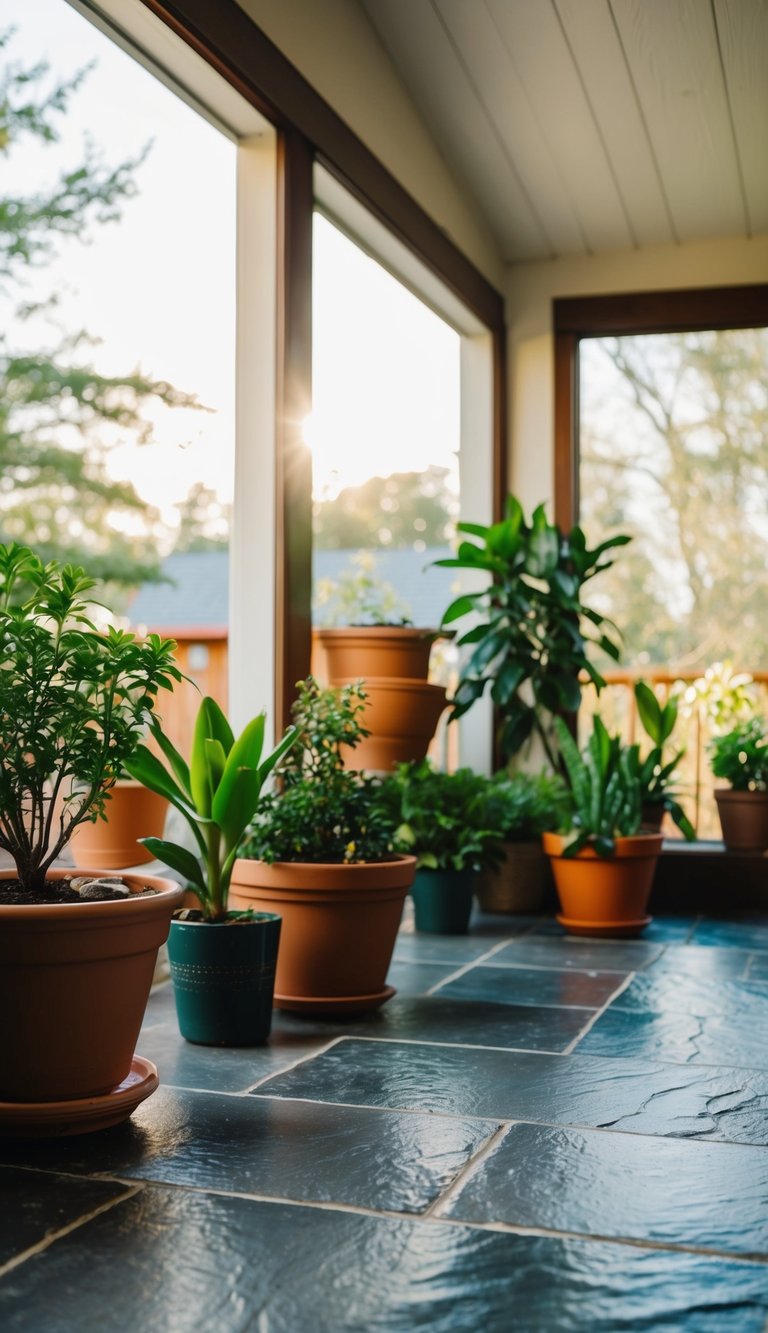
(586, 125)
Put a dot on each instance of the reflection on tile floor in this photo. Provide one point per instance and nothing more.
(572, 1129)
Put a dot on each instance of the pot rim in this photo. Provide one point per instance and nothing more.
(233, 917)
(633, 846)
(167, 891)
(382, 632)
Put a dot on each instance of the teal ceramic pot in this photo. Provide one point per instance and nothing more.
(442, 900)
(223, 978)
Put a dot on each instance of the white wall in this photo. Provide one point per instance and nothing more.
(332, 43)
(530, 290)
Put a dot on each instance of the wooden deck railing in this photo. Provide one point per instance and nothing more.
(695, 784)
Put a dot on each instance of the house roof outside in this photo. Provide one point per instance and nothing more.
(195, 596)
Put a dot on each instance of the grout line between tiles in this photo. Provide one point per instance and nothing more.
(430, 1219)
(599, 1013)
(467, 967)
(303, 1059)
(131, 1189)
(470, 1167)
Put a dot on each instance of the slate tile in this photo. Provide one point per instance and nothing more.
(225, 1068)
(641, 1096)
(474, 1023)
(453, 949)
(661, 930)
(578, 952)
(757, 968)
(713, 962)
(667, 992)
(671, 1192)
(36, 1204)
(289, 1150)
(532, 986)
(679, 1038)
(745, 930)
(418, 978)
(190, 1263)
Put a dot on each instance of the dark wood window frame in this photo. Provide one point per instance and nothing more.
(310, 130)
(581, 317)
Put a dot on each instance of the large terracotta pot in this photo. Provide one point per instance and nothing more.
(74, 983)
(743, 819)
(522, 882)
(111, 844)
(339, 928)
(358, 652)
(605, 895)
(401, 716)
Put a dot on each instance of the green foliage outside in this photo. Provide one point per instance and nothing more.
(74, 702)
(397, 511)
(56, 410)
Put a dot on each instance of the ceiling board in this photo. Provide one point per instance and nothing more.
(537, 48)
(594, 43)
(512, 120)
(675, 64)
(427, 62)
(743, 33)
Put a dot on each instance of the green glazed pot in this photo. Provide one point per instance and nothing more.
(223, 978)
(442, 900)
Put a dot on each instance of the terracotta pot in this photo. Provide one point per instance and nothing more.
(605, 895)
(132, 812)
(522, 882)
(743, 819)
(358, 652)
(74, 983)
(339, 928)
(402, 716)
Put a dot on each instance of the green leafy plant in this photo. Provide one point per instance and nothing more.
(74, 702)
(218, 793)
(525, 805)
(657, 773)
(359, 596)
(531, 642)
(321, 811)
(605, 787)
(448, 821)
(740, 756)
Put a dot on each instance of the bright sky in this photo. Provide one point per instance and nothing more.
(158, 289)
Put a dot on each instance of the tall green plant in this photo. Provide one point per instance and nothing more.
(218, 793)
(74, 701)
(533, 636)
(656, 773)
(606, 792)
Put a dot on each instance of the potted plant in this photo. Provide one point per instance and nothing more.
(320, 854)
(528, 804)
(531, 633)
(446, 820)
(111, 840)
(657, 795)
(740, 758)
(602, 861)
(378, 643)
(76, 957)
(222, 961)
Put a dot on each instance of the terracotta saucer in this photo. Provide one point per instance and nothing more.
(36, 1120)
(330, 1005)
(611, 929)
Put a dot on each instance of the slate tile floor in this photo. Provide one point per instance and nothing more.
(537, 1133)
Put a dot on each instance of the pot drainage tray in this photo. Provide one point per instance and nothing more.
(611, 929)
(334, 1004)
(34, 1120)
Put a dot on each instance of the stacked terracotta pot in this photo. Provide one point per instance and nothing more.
(403, 709)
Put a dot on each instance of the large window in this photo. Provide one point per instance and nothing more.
(662, 433)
